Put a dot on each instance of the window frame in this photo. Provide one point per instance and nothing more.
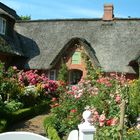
(54, 74)
(3, 26)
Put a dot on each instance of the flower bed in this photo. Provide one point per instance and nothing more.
(103, 96)
(19, 90)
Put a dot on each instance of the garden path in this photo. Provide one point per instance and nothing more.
(34, 125)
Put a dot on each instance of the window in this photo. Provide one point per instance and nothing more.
(76, 58)
(2, 25)
(52, 75)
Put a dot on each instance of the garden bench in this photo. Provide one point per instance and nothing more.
(21, 136)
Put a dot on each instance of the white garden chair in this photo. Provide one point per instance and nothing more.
(21, 136)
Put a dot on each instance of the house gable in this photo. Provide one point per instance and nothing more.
(77, 45)
(72, 54)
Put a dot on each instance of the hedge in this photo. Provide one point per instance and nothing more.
(9, 118)
(28, 112)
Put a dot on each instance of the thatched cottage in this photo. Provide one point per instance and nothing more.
(111, 43)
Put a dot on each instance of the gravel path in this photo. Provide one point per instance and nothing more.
(34, 125)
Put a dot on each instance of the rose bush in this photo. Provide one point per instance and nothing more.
(27, 87)
(102, 95)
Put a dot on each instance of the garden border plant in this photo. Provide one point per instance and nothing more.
(23, 94)
(104, 96)
(10, 118)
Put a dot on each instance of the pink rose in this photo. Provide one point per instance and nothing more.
(114, 121)
(102, 118)
(101, 124)
(118, 99)
(96, 115)
(74, 88)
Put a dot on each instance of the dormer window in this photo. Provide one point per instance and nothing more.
(2, 26)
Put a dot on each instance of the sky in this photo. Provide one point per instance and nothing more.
(62, 9)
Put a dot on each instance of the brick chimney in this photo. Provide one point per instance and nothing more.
(108, 12)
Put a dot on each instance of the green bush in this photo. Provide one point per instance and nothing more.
(9, 85)
(63, 73)
(134, 101)
(103, 96)
(3, 125)
(51, 132)
(13, 106)
(107, 133)
(132, 134)
(22, 114)
(28, 112)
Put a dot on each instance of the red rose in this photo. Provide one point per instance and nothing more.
(108, 122)
(73, 110)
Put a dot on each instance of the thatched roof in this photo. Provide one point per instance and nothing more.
(82, 42)
(137, 58)
(8, 11)
(7, 46)
(115, 43)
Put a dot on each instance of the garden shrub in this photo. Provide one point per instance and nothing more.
(63, 73)
(102, 96)
(36, 87)
(68, 111)
(22, 114)
(134, 101)
(50, 130)
(27, 112)
(13, 106)
(22, 89)
(132, 134)
(3, 125)
(9, 85)
(52, 133)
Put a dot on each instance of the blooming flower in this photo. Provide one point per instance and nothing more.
(101, 124)
(108, 122)
(102, 119)
(114, 121)
(73, 110)
(74, 88)
(118, 99)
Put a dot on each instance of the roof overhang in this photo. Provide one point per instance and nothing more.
(5, 10)
(8, 47)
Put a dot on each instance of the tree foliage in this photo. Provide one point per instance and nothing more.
(25, 17)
